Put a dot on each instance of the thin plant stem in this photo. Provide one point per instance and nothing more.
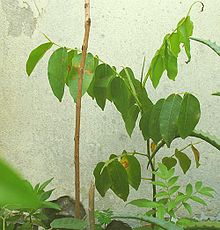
(78, 107)
(200, 2)
(159, 146)
(142, 69)
(153, 177)
(3, 224)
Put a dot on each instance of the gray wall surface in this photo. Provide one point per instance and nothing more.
(36, 131)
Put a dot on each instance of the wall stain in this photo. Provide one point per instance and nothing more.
(20, 19)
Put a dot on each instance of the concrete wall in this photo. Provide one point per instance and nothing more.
(36, 131)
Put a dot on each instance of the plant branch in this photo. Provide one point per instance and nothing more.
(206, 139)
(199, 135)
(159, 146)
(78, 106)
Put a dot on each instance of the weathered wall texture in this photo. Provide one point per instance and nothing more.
(36, 131)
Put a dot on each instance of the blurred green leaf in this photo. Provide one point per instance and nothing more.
(188, 208)
(189, 190)
(14, 190)
(216, 94)
(172, 181)
(69, 223)
(144, 203)
(198, 200)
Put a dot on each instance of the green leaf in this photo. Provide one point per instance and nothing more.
(133, 169)
(180, 198)
(212, 45)
(172, 181)
(185, 30)
(119, 178)
(121, 95)
(144, 203)
(102, 78)
(102, 178)
(130, 118)
(189, 190)
(14, 190)
(188, 208)
(170, 61)
(57, 72)
(206, 191)
(216, 94)
(154, 124)
(69, 223)
(128, 76)
(46, 195)
(73, 75)
(198, 185)
(184, 160)
(196, 155)
(161, 211)
(36, 55)
(45, 184)
(26, 226)
(189, 115)
(162, 169)
(163, 172)
(142, 97)
(144, 124)
(171, 205)
(162, 194)
(158, 221)
(198, 200)
(51, 205)
(174, 43)
(159, 183)
(174, 189)
(169, 162)
(169, 117)
(157, 68)
(71, 54)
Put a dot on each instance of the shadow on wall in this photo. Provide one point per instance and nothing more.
(20, 18)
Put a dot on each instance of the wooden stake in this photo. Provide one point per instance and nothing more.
(78, 107)
(91, 210)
